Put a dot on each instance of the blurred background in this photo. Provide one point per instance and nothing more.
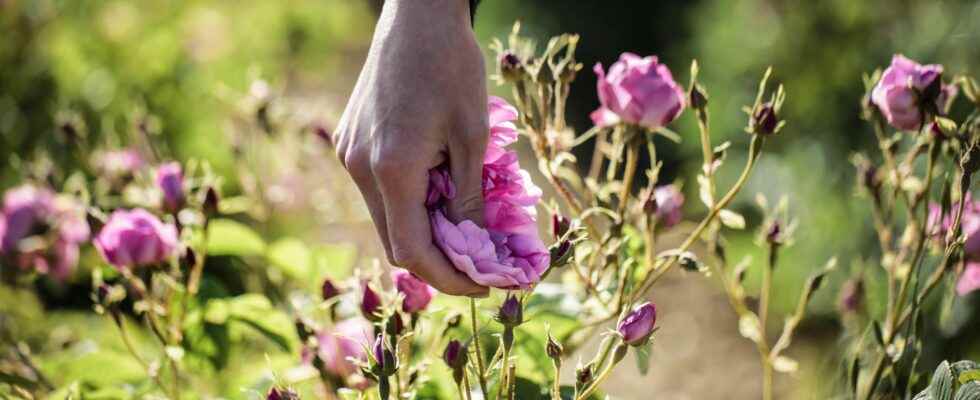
(212, 79)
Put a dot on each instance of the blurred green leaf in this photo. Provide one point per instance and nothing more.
(642, 356)
(293, 258)
(231, 238)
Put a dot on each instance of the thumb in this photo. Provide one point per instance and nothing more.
(466, 152)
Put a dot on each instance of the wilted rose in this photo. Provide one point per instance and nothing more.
(639, 91)
(136, 237)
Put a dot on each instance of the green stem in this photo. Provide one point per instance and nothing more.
(481, 368)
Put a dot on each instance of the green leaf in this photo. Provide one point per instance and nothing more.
(231, 238)
(732, 219)
(941, 386)
(642, 356)
(969, 391)
(292, 257)
(335, 261)
(256, 312)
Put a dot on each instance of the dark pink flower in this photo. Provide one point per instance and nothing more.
(370, 303)
(639, 91)
(56, 221)
(170, 181)
(417, 294)
(637, 326)
(347, 339)
(135, 237)
(670, 204)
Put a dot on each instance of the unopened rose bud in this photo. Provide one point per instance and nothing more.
(774, 233)
(851, 296)
(384, 357)
(278, 393)
(584, 376)
(416, 293)
(328, 290)
(697, 97)
(210, 204)
(637, 326)
(455, 356)
(764, 119)
(511, 312)
(560, 253)
(189, 259)
(511, 67)
(170, 181)
(370, 304)
(554, 350)
(559, 225)
(395, 325)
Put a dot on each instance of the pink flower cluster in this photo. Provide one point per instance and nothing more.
(939, 224)
(508, 253)
(57, 222)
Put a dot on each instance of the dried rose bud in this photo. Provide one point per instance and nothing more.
(511, 312)
(328, 290)
(584, 376)
(697, 97)
(210, 204)
(637, 326)
(554, 350)
(851, 296)
(560, 253)
(559, 225)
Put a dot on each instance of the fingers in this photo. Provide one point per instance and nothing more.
(467, 147)
(403, 183)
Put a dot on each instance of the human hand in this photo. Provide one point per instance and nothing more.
(420, 101)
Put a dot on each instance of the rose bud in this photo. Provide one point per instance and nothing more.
(370, 303)
(559, 225)
(668, 205)
(637, 326)
(135, 237)
(774, 234)
(328, 290)
(554, 349)
(560, 253)
(583, 376)
(384, 357)
(456, 357)
(170, 181)
(906, 89)
(511, 67)
(851, 296)
(511, 312)
(638, 91)
(210, 204)
(394, 325)
(278, 393)
(417, 294)
(697, 97)
(764, 120)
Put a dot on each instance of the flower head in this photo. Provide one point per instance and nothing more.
(639, 91)
(417, 294)
(637, 326)
(55, 223)
(903, 92)
(511, 312)
(342, 342)
(370, 303)
(455, 354)
(135, 237)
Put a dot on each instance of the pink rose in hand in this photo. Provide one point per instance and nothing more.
(135, 237)
(417, 294)
(639, 91)
(897, 94)
(508, 253)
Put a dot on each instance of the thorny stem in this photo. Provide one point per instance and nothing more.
(763, 343)
(481, 368)
(600, 378)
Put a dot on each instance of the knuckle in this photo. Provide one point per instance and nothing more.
(405, 257)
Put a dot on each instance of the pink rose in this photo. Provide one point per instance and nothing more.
(135, 237)
(417, 294)
(938, 225)
(970, 280)
(346, 339)
(170, 181)
(670, 202)
(28, 210)
(638, 91)
(508, 253)
(637, 326)
(898, 91)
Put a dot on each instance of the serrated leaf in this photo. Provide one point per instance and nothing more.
(732, 219)
(969, 391)
(941, 386)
